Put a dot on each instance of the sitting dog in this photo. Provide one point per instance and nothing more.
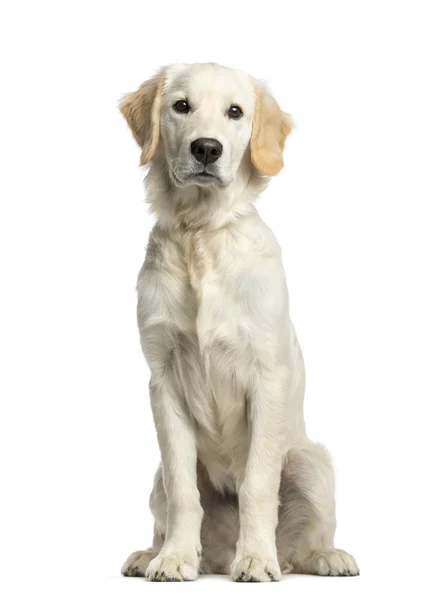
(240, 489)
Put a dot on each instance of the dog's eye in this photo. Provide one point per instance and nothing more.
(235, 112)
(181, 107)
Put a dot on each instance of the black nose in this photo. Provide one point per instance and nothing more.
(206, 150)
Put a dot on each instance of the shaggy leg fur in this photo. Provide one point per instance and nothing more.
(305, 533)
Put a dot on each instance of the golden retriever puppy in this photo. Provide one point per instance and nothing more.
(240, 489)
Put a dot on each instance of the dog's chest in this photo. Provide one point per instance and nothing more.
(183, 294)
(222, 414)
(208, 276)
(201, 262)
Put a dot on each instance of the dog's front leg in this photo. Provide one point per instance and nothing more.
(256, 554)
(179, 557)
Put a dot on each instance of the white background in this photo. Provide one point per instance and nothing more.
(355, 210)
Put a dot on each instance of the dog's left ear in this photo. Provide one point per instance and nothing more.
(141, 109)
(271, 126)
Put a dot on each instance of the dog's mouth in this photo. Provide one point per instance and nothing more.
(204, 176)
(201, 178)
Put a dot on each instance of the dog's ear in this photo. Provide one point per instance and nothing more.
(141, 109)
(271, 126)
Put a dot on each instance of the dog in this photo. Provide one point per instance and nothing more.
(241, 490)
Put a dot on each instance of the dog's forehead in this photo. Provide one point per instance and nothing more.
(201, 82)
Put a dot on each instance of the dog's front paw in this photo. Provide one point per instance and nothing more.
(172, 568)
(255, 568)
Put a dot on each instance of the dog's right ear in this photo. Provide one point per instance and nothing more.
(141, 109)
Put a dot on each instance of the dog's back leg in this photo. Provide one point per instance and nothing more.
(137, 562)
(305, 533)
(220, 527)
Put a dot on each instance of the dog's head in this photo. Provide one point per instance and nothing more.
(204, 117)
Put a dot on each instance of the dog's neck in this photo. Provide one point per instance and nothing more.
(196, 207)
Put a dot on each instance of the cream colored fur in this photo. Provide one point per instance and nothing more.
(227, 374)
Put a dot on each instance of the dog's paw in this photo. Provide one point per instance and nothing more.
(255, 568)
(337, 563)
(137, 563)
(171, 568)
